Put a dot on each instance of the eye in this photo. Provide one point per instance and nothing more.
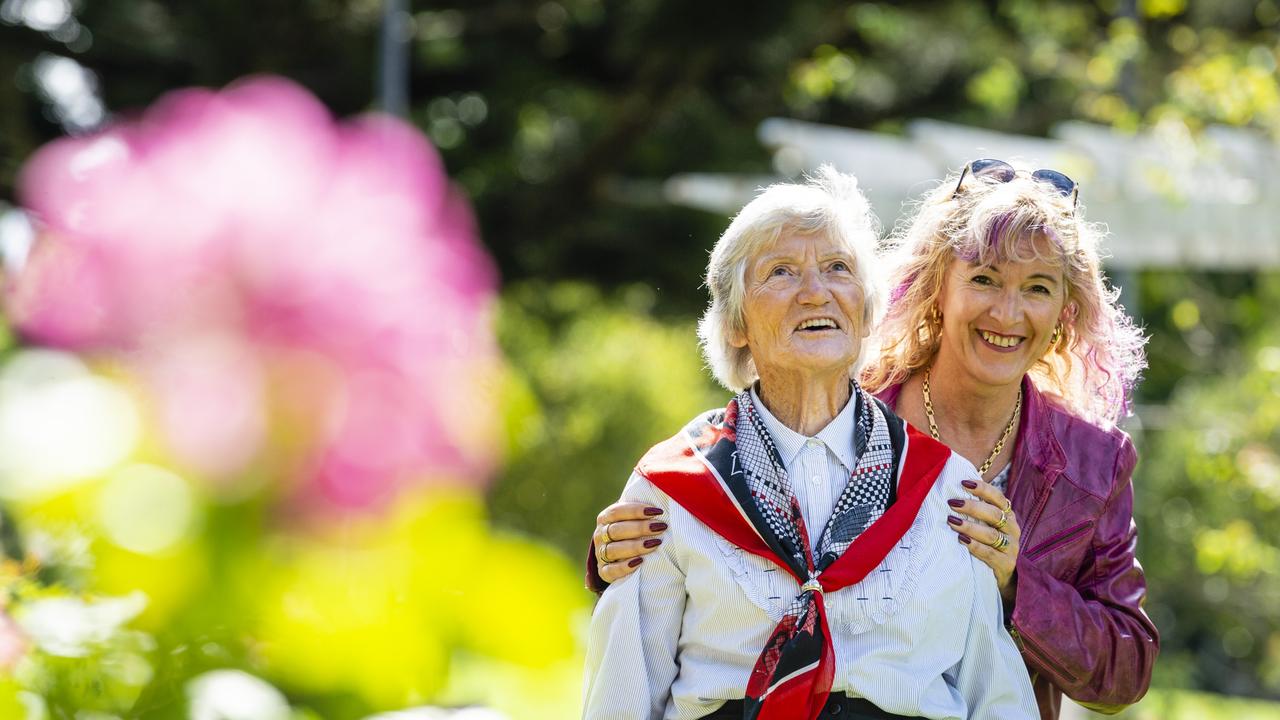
(983, 280)
(841, 266)
(1041, 289)
(779, 271)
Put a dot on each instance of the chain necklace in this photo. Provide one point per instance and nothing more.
(1004, 436)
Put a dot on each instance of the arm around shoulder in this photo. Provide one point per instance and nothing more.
(634, 633)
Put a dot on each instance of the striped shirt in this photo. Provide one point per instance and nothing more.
(923, 634)
(819, 467)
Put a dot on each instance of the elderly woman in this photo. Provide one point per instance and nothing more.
(809, 569)
(1002, 339)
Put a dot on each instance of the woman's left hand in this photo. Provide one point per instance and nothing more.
(990, 530)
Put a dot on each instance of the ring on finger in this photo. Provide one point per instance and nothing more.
(608, 533)
(1002, 543)
(604, 552)
(1008, 505)
(1004, 520)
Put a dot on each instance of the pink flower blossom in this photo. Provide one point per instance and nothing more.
(13, 643)
(295, 293)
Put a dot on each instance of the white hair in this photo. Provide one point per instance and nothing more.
(828, 202)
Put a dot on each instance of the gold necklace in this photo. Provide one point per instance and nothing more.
(1004, 436)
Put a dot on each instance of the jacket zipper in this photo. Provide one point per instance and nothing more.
(1043, 658)
(1059, 540)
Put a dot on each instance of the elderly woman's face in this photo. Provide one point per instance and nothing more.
(997, 320)
(803, 306)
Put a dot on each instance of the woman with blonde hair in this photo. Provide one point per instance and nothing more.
(1002, 340)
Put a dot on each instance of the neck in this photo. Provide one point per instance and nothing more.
(804, 404)
(968, 407)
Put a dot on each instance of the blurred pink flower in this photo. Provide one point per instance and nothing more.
(13, 643)
(225, 235)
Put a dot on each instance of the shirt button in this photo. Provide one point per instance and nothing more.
(816, 480)
(814, 443)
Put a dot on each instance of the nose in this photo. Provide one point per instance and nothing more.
(813, 288)
(1008, 308)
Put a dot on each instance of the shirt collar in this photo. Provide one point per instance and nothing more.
(837, 436)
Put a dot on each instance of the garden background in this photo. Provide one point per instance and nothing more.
(292, 427)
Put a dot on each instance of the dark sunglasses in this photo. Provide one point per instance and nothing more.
(1001, 171)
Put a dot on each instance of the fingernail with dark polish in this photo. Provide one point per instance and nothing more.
(657, 527)
(955, 503)
(954, 520)
(651, 511)
(963, 538)
(969, 484)
(652, 543)
(636, 562)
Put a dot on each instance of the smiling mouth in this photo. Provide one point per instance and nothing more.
(817, 325)
(1002, 341)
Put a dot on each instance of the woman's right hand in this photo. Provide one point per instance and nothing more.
(626, 531)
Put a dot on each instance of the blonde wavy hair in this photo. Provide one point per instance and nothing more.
(1091, 369)
(829, 203)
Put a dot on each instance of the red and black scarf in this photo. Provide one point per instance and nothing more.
(726, 472)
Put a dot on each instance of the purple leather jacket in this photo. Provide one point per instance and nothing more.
(1077, 616)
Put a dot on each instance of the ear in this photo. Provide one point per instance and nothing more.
(1068, 313)
(738, 338)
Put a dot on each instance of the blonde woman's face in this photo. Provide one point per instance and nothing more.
(997, 320)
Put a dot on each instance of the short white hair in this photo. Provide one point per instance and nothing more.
(827, 202)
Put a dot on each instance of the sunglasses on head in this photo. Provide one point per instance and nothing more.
(1001, 171)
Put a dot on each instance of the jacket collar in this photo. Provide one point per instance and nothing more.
(1043, 448)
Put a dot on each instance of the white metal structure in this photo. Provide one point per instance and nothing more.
(1169, 199)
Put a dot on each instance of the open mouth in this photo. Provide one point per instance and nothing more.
(1004, 342)
(817, 325)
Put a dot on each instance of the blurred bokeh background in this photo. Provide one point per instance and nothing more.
(306, 412)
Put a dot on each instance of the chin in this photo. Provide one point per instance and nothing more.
(1000, 376)
(996, 372)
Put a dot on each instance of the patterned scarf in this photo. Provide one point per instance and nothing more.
(726, 471)
(863, 501)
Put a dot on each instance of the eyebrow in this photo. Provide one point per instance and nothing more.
(1034, 276)
(789, 257)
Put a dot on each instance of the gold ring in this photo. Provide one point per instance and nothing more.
(1008, 505)
(608, 534)
(604, 554)
(1004, 519)
(1002, 543)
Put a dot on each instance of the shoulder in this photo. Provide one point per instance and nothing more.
(682, 454)
(1097, 458)
(888, 395)
(957, 469)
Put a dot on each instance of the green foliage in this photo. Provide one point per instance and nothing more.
(374, 614)
(540, 109)
(1187, 705)
(600, 380)
(1208, 494)
(562, 99)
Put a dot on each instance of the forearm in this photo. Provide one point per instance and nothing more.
(1098, 652)
(594, 582)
